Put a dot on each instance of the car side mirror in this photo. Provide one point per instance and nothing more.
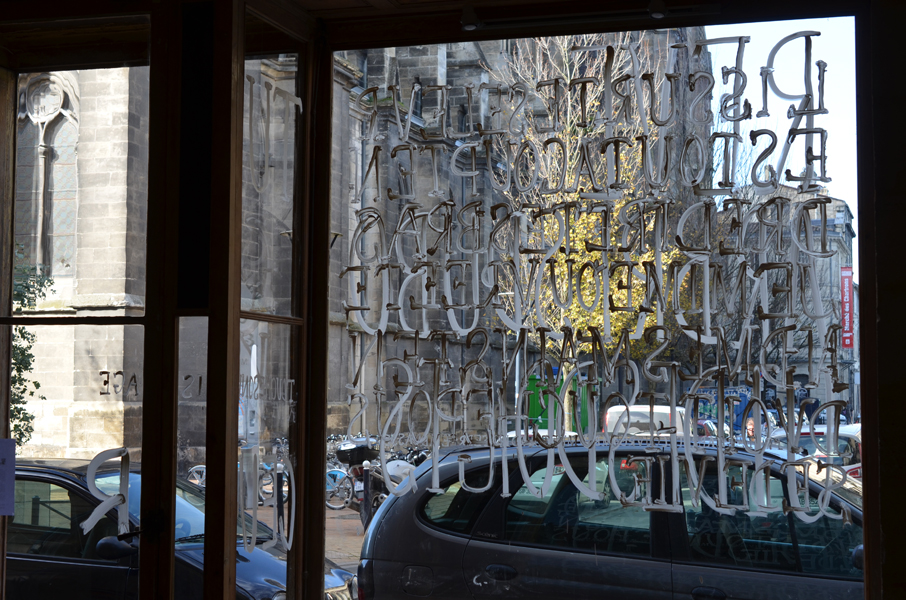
(110, 548)
(858, 557)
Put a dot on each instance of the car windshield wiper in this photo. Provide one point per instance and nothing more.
(259, 539)
(200, 537)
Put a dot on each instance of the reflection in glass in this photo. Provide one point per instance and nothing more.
(81, 188)
(267, 408)
(271, 108)
(79, 389)
(193, 398)
(529, 236)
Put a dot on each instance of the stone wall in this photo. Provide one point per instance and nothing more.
(110, 252)
(91, 376)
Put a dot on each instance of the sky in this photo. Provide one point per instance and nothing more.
(836, 47)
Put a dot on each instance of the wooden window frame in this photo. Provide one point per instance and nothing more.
(881, 287)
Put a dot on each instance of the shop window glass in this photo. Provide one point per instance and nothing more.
(78, 256)
(271, 109)
(557, 241)
(81, 189)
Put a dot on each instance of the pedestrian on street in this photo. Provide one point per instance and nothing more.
(750, 430)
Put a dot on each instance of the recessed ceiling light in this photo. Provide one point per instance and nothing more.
(657, 9)
(469, 19)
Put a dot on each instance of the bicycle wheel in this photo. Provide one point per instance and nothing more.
(339, 488)
(197, 475)
(266, 486)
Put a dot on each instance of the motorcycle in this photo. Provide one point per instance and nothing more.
(355, 453)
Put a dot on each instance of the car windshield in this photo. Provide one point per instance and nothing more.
(190, 503)
(846, 448)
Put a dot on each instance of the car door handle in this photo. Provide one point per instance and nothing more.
(501, 572)
(708, 593)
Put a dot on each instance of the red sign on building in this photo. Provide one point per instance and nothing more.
(846, 302)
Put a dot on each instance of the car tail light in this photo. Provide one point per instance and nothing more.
(624, 464)
(855, 473)
(365, 580)
(606, 421)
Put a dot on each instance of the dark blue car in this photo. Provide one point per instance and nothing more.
(50, 557)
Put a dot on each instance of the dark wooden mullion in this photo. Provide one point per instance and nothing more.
(57, 12)
(159, 411)
(295, 566)
(224, 99)
(8, 106)
(868, 303)
(362, 29)
(315, 278)
(882, 327)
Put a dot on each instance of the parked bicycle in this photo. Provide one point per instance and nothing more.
(197, 475)
(346, 487)
(266, 474)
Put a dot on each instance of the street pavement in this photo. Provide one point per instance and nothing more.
(343, 537)
(342, 532)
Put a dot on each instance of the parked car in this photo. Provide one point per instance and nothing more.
(639, 418)
(529, 435)
(49, 556)
(708, 428)
(822, 419)
(453, 543)
(849, 446)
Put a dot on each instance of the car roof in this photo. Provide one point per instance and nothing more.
(646, 407)
(77, 467)
(854, 430)
(478, 453)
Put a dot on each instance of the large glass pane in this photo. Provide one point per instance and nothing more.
(193, 398)
(268, 183)
(268, 396)
(81, 189)
(77, 395)
(266, 460)
(77, 390)
(641, 239)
